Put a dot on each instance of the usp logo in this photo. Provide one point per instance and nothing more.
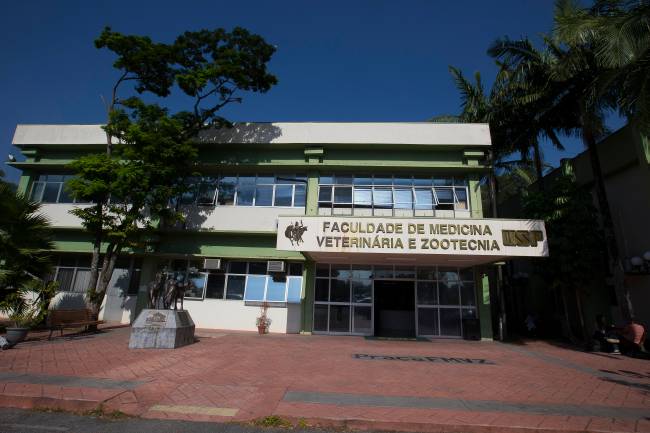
(522, 238)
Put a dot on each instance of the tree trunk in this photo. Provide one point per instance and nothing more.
(108, 265)
(567, 322)
(94, 263)
(492, 179)
(110, 258)
(615, 264)
(537, 156)
(581, 318)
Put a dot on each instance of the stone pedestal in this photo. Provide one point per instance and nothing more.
(162, 329)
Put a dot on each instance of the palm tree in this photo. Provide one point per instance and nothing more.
(572, 91)
(587, 86)
(619, 32)
(479, 107)
(530, 90)
(25, 241)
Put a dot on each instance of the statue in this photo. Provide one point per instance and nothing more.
(166, 290)
(175, 291)
(156, 289)
(161, 326)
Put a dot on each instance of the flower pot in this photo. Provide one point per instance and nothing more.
(16, 335)
(261, 329)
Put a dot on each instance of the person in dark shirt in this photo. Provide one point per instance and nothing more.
(605, 336)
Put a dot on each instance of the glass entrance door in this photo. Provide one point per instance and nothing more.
(394, 308)
(393, 300)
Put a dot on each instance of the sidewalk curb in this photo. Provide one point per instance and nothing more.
(73, 405)
(398, 426)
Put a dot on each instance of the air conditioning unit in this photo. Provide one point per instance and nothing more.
(214, 264)
(275, 266)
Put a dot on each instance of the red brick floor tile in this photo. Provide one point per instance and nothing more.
(252, 373)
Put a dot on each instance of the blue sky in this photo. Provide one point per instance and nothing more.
(336, 61)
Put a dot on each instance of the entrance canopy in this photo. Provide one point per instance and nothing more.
(412, 241)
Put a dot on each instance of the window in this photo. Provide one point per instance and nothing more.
(343, 299)
(363, 197)
(245, 190)
(50, 188)
(342, 196)
(383, 195)
(423, 199)
(248, 190)
(241, 281)
(215, 287)
(207, 191)
(444, 296)
(235, 287)
(72, 272)
(382, 198)
(227, 188)
(283, 195)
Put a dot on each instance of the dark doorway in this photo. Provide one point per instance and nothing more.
(394, 308)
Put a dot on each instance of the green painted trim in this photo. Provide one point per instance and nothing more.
(393, 167)
(318, 151)
(218, 232)
(59, 166)
(311, 207)
(473, 153)
(307, 301)
(24, 184)
(475, 202)
(484, 308)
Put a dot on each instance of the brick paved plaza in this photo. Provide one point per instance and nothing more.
(439, 385)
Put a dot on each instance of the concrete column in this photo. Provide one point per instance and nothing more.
(23, 183)
(312, 194)
(484, 307)
(475, 203)
(307, 301)
(309, 272)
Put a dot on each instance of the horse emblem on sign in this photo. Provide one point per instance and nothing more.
(294, 233)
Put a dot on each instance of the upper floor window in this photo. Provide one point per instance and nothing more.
(50, 188)
(248, 190)
(382, 194)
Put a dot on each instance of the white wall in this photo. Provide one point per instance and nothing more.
(423, 133)
(234, 315)
(118, 306)
(222, 218)
(59, 214)
(238, 218)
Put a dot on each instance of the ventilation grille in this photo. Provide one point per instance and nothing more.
(213, 264)
(275, 266)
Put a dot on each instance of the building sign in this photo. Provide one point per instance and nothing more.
(487, 237)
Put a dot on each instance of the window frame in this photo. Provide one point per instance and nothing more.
(382, 185)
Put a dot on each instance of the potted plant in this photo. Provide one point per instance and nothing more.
(26, 308)
(263, 321)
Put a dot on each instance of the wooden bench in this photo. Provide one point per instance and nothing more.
(60, 319)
